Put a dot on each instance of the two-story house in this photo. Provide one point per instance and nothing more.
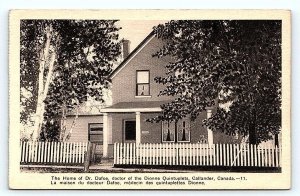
(135, 99)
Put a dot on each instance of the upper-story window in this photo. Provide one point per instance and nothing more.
(142, 83)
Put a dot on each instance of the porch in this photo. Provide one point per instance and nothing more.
(126, 122)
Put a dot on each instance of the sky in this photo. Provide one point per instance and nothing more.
(136, 30)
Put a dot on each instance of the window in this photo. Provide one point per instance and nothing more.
(183, 131)
(129, 129)
(96, 133)
(168, 131)
(143, 83)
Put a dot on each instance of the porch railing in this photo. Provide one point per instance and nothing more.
(197, 154)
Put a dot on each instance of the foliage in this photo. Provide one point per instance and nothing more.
(85, 51)
(51, 129)
(236, 63)
(32, 40)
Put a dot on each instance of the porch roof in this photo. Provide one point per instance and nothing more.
(144, 106)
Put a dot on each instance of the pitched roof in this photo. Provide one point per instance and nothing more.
(129, 57)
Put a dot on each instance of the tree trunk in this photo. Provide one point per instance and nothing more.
(175, 134)
(252, 127)
(45, 92)
(252, 134)
(40, 107)
(276, 140)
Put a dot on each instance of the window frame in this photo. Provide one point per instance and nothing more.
(188, 128)
(162, 132)
(89, 134)
(137, 84)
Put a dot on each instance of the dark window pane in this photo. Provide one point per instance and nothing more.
(96, 130)
(130, 130)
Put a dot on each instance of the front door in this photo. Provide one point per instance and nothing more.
(129, 131)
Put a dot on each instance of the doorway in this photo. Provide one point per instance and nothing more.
(129, 130)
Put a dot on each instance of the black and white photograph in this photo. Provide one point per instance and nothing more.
(124, 102)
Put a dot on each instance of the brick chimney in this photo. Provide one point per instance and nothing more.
(125, 48)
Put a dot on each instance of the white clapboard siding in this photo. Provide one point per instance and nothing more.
(229, 155)
(53, 152)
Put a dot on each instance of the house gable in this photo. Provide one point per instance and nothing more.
(124, 78)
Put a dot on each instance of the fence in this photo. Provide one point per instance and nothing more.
(197, 155)
(53, 152)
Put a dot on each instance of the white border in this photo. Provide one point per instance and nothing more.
(294, 5)
(20, 180)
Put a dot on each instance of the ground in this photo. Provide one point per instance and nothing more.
(147, 169)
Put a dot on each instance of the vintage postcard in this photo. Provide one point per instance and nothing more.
(149, 99)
